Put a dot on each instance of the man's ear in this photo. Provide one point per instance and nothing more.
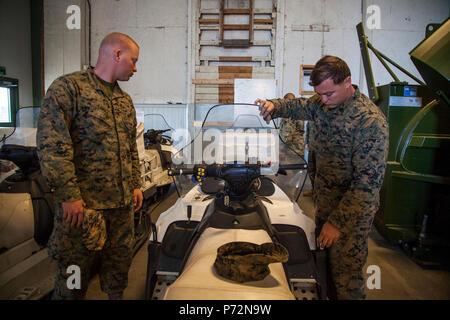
(116, 54)
(348, 82)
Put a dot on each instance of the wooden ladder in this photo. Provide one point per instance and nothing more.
(235, 43)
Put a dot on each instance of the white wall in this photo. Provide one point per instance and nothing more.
(62, 46)
(161, 29)
(15, 42)
(402, 27)
(158, 26)
(306, 47)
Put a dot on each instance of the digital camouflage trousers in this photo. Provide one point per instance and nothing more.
(67, 245)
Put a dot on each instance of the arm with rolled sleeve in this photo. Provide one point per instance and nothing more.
(360, 202)
(295, 109)
(54, 142)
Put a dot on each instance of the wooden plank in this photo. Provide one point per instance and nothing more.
(262, 43)
(263, 70)
(234, 69)
(210, 96)
(231, 72)
(254, 73)
(204, 71)
(207, 89)
(206, 101)
(251, 18)
(209, 11)
(235, 27)
(262, 27)
(263, 76)
(228, 81)
(226, 96)
(211, 43)
(226, 100)
(263, 11)
(235, 59)
(208, 21)
(227, 90)
(205, 75)
(236, 11)
(263, 21)
(240, 75)
(236, 43)
(209, 27)
(221, 19)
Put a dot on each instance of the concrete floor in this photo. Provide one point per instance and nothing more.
(401, 278)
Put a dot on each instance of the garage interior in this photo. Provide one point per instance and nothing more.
(198, 53)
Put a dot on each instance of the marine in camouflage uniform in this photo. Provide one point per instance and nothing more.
(86, 140)
(292, 133)
(350, 146)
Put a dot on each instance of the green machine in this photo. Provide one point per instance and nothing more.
(415, 196)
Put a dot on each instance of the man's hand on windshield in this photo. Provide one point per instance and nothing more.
(265, 109)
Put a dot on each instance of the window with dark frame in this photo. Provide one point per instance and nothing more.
(305, 73)
(9, 101)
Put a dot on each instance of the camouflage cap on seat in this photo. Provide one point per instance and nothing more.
(94, 229)
(246, 261)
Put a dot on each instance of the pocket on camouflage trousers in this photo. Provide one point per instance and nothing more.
(94, 229)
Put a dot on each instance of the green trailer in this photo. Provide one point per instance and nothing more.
(415, 196)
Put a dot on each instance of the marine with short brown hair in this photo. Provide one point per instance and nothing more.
(350, 149)
(86, 142)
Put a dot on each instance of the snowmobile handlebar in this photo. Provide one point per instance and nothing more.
(180, 172)
(225, 170)
(238, 177)
(162, 131)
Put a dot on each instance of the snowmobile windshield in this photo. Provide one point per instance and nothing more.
(24, 131)
(159, 131)
(18, 144)
(156, 121)
(235, 134)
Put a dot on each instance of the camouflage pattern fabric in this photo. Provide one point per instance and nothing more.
(350, 152)
(311, 161)
(67, 246)
(348, 257)
(94, 229)
(292, 133)
(245, 261)
(86, 142)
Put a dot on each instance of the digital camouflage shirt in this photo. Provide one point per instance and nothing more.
(351, 147)
(292, 132)
(86, 142)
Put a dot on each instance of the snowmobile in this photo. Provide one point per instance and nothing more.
(155, 149)
(250, 199)
(27, 209)
(26, 222)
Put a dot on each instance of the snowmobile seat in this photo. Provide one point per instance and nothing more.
(199, 279)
